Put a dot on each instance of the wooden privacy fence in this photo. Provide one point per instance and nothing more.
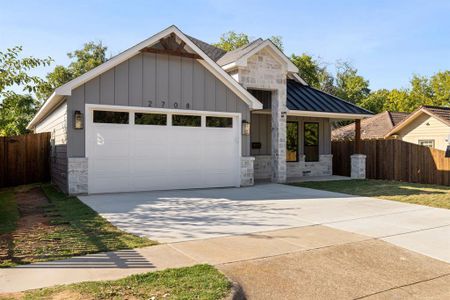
(24, 159)
(394, 160)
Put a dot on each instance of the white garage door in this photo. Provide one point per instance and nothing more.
(160, 150)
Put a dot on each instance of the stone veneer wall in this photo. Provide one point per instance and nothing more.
(323, 167)
(247, 171)
(266, 73)
(77, 178)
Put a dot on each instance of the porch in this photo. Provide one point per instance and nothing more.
(302, 133)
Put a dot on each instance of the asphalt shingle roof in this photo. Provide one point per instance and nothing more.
(213, 52)
(375, 127)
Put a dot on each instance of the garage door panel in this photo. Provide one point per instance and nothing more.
(148, 157)
(145, 166)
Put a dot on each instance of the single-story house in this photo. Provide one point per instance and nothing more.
(372, 128)
(427, 126)
(173, 112)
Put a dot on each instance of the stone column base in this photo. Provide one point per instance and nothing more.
(247, 171)
(358, 162)
(77, 175)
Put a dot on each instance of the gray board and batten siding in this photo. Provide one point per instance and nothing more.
(159, 81)
(262, 133)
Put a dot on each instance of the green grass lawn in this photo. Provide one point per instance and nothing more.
(8, 211)
(197, 282)
(73, 229)
(424, 194)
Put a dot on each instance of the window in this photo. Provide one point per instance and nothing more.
(292, 141)
(186, 120)
(427, 143)
(150, 119)
(311, 141)
(221, 122)
(112, 117)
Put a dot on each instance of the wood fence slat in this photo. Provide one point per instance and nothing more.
(394, 160)
(24, 159)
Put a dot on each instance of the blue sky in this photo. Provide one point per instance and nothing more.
(387, 41)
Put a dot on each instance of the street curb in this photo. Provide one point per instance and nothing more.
(237, 292)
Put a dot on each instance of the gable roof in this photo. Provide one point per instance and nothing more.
(440, 113)
(375, 127)
(66, 90)
(212, 51)
(235, 54)
(302, 97)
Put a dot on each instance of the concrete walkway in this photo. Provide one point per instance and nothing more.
(174, 216)
(294, 263)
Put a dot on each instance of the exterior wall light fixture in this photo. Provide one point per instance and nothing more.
(245, 127)
(78, 120)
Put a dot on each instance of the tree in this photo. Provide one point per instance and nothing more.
(14, 71)
(278, 41)
(350, 85)
(440, 86)
(375, 102)
(312, 71)
(231, 40)
(15, 113)
(85, 59)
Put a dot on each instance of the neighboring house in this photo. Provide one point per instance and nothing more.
(428, 126)
(174, 112)
(372, 128)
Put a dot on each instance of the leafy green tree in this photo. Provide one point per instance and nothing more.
(85, 59)
(399, 100)
(231, 40)
(312, 71)
(14, 71)
(278, 41)
(350, 85)
(376, 100)
(15, 113)
(440, 86)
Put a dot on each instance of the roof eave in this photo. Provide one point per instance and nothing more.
(331, 115)
(66, 89)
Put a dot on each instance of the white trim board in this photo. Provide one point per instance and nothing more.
(66, 89)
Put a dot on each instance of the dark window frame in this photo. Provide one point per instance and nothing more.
(219, 117)
(164, 119)
(174, 117)
(96, 112)
(297, 141)
(317, 155)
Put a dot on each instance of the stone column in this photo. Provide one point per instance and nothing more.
(279, 116)
(247, 171)
(358, 162)
(77, 177)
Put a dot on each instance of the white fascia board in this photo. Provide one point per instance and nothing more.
(298, 78)
(48, 106)
(66, 89)
(404, 123)
(332, 115)
(279, 55)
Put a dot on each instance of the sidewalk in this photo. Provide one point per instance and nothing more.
(284, 255)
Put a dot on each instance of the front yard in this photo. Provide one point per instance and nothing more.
(39, 223)
(197, 282)
(424, 194)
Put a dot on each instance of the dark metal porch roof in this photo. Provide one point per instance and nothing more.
(306, 98)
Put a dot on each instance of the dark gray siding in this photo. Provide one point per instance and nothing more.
(154, 80)
(261, 132)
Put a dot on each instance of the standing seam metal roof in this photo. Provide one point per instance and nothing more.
(306, 98)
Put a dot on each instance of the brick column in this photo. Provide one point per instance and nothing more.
(279, 117)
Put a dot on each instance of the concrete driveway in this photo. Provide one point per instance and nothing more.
(175, 216)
